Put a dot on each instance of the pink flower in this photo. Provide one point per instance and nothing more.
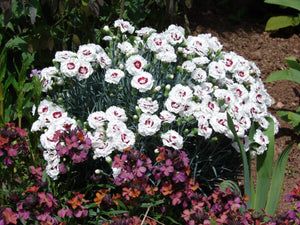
(64, 211)
(168, 168)
(176, 198)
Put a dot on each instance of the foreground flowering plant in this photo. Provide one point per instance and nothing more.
(137, 191)
(147, 90)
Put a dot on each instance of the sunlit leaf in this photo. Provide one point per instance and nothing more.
(290, 74)
(277, 22)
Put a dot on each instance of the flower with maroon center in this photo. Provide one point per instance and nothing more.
(156, 42)
(143, 82)
(84, 71)
(104, 60)
(114, 76)
(97, 119)
(116, 113)
(135, 64)
(70, 67)
(172, 139)
(148, 124)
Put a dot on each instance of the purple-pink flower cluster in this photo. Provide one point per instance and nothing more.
(13, 141)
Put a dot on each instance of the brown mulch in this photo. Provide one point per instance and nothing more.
(268, 50)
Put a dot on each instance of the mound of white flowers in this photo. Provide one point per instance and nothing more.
(164, 86)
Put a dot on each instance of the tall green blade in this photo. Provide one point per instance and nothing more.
(277, 180)
(264, 166)
(247, 184)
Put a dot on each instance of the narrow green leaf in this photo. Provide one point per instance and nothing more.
(277, 180)
(264, 165)
(278, 22)
(294, 116)
(3, 64)
(295, 4)
(290, 74)
(247, 183)
(292, 63)
(172, 220)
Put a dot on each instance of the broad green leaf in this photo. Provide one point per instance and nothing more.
(27, 87)
(295, 4)
(264, 166)
(290, 74)
(277, 180)
(247, 182)
(292, 63)
(294, 116)
(18, 43)
(277, 22)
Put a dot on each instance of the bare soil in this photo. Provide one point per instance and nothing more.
(268, 50)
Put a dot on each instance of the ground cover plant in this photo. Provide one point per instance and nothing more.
(107, 154)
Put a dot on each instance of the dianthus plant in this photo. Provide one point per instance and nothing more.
(142, 89)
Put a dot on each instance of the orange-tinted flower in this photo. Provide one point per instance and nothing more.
(135, 193)
(150, 190)
(127, 149)
(100, 195)
(115, 198)
(194, 186)
(77, 200)
(80, 136)
(32, 189)
(3, 141)
(166, 189)
(187, 170)
(245, 197)
(160, 157)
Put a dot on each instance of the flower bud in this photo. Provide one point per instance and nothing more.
(97, 171)
(190, 118)
(108, 159)
(157, 88)
(121, 66)
(135, 117)
(106, 28)
(168, 87)
(179, 121)
(186, 131)
(156, 151)
(170, 76)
